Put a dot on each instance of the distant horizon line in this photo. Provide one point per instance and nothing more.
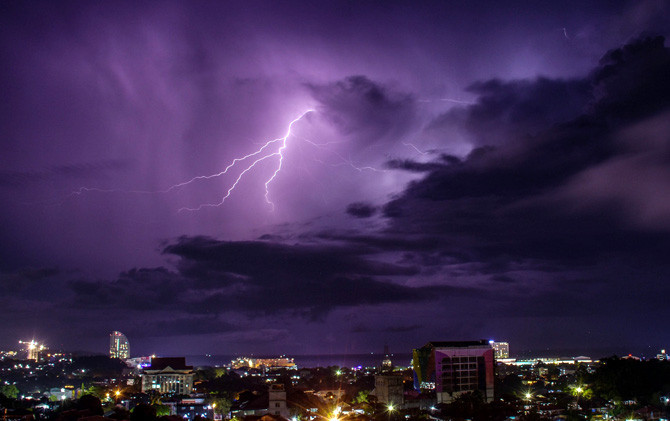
(597, 353)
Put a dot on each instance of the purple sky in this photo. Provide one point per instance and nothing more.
(470, 170)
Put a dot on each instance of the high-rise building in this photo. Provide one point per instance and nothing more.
(168, 375)
(454, 368)
(500, 349)
(118, 346)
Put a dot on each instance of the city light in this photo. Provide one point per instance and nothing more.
(543, 400)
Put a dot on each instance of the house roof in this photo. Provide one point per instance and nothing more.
(176, 363)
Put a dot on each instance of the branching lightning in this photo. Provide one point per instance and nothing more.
(247, 163)
(263, 156)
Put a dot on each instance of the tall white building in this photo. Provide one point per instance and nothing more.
(118, 346)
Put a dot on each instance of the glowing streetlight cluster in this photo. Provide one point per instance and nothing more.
(33, 348)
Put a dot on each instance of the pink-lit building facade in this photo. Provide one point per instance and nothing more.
(455, 368)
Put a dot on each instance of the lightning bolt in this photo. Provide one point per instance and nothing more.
(270, 149)
(343, 160)
(411, 145)
(262, 154)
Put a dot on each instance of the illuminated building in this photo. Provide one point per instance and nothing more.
(500, 349)
(118, 346)
(190, 408)
(139, 362)
(168, 375)
(33, 349)
(62, 393)
(454, 368)
(281, 362)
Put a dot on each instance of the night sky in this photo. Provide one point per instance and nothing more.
(469, 170)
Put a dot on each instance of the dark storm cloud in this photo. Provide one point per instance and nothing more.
(508, 109)
(311, 278)
(257, 278)
(366, 109)
(631, 82)
(521, 198)
(275, 260)
(412, 166)
(361, 210)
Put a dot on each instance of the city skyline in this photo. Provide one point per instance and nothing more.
(328, 178)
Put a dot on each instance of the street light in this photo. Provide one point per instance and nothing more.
(336, 413)
(390, 408)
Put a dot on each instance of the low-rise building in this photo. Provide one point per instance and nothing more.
(168, 375)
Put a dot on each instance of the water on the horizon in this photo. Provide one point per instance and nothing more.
(403, 359)
(310, 361)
